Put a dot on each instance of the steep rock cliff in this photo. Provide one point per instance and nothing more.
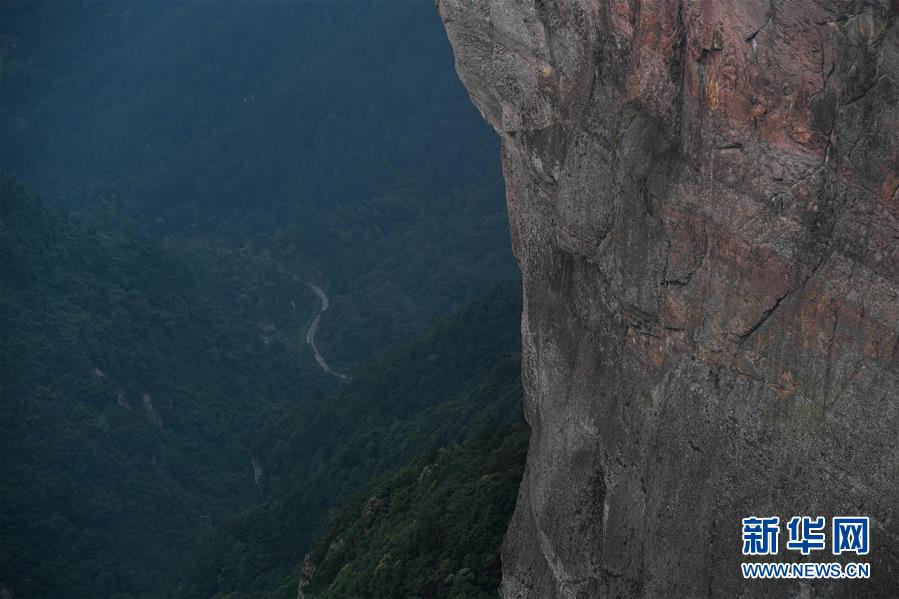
(703, 202)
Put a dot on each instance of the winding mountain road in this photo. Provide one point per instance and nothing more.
(313, 328)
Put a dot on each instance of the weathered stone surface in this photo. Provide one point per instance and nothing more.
(703, 201)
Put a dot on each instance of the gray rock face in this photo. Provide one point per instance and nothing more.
(703, 201)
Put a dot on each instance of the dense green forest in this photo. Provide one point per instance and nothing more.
(166, 430)
(333, 135)
(433, 530)
(133, 402)
(427, 394)
(131, 394)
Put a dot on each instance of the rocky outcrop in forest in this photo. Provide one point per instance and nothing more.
(703, 203)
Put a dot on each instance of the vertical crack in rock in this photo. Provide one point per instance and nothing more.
(703, 202)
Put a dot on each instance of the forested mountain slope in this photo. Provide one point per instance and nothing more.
(427, 394)
(334, 135)
(133, 404)
(433, 530)
(130, 395)
(166, 429)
